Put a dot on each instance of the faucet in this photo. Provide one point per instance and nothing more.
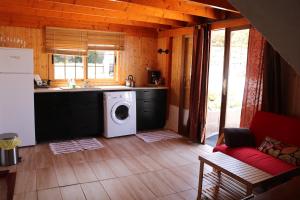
(86, 83)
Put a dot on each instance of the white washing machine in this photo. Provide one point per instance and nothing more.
(119, 113)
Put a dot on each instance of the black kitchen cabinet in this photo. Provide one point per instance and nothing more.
(50, 109)
(86, 114)
(64, 115)
(151, 108)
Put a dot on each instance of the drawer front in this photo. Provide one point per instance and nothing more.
(151, 94)
(84, 98)
(150, 105)
(151, 109)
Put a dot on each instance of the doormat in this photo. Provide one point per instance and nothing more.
(75, 145)
(156, 136)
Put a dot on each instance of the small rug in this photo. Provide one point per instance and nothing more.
(75, 145)
(156, 136)
(212, 140)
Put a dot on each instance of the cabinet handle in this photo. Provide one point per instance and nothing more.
(145, 101)
(146, 91)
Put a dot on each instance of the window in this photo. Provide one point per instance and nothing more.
(84, 54)
(97, 65)
(68, 67)
(101, 64)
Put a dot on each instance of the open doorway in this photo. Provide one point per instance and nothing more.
(227, 72)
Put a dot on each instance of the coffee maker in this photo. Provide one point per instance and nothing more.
(153, 77)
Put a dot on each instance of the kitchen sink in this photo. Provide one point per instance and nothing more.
(80, 88)
(108, 87)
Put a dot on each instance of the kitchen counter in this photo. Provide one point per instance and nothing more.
(94, 88)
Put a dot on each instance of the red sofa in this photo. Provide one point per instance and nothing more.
(285, 129)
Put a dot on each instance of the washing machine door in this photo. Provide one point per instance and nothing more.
(120, 112)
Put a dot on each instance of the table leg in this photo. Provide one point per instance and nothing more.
(249, 190)
(219, 179)
(200, 179)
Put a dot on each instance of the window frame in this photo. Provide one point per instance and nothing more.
(116, 57)
(65, 67)
(62, 82)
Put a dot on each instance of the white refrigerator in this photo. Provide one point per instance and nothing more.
(17, 94)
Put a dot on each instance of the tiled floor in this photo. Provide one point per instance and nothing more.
(126, 168)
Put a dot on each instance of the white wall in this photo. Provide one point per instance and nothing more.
(279, 22)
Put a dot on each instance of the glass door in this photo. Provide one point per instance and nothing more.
(215, 82)
(236, 76)
(227, 72)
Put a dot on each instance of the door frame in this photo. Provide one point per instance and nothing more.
(226, 63)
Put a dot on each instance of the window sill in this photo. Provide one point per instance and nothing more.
(61, 83)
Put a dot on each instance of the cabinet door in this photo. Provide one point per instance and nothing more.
(51, 116)
(151, 109)
(154, 113)
(139, 114)
(85, 114)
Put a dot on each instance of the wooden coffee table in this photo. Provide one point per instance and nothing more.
(229, 179)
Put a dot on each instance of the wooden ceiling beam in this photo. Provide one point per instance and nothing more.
(88, 13)
(164, 9)
(74, 16)
(230, 23)
(183, 6)
(218, 4)
(176, 32)
(42, 22)
(136, 9)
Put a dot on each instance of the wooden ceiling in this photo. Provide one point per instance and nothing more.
(114, 15)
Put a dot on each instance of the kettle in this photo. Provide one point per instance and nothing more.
(129, 82)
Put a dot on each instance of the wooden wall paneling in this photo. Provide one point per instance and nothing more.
(18, 37)
(164, 60)
(41, 57)
(177, 58)
(139, 53)
(185, 83)
(174, 83)
(176, 69)
(164, 64)
(182, 71)
(188, 67)
(180, 61)
(18, 20)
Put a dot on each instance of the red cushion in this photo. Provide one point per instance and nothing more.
(279, 127)
(256, 159)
